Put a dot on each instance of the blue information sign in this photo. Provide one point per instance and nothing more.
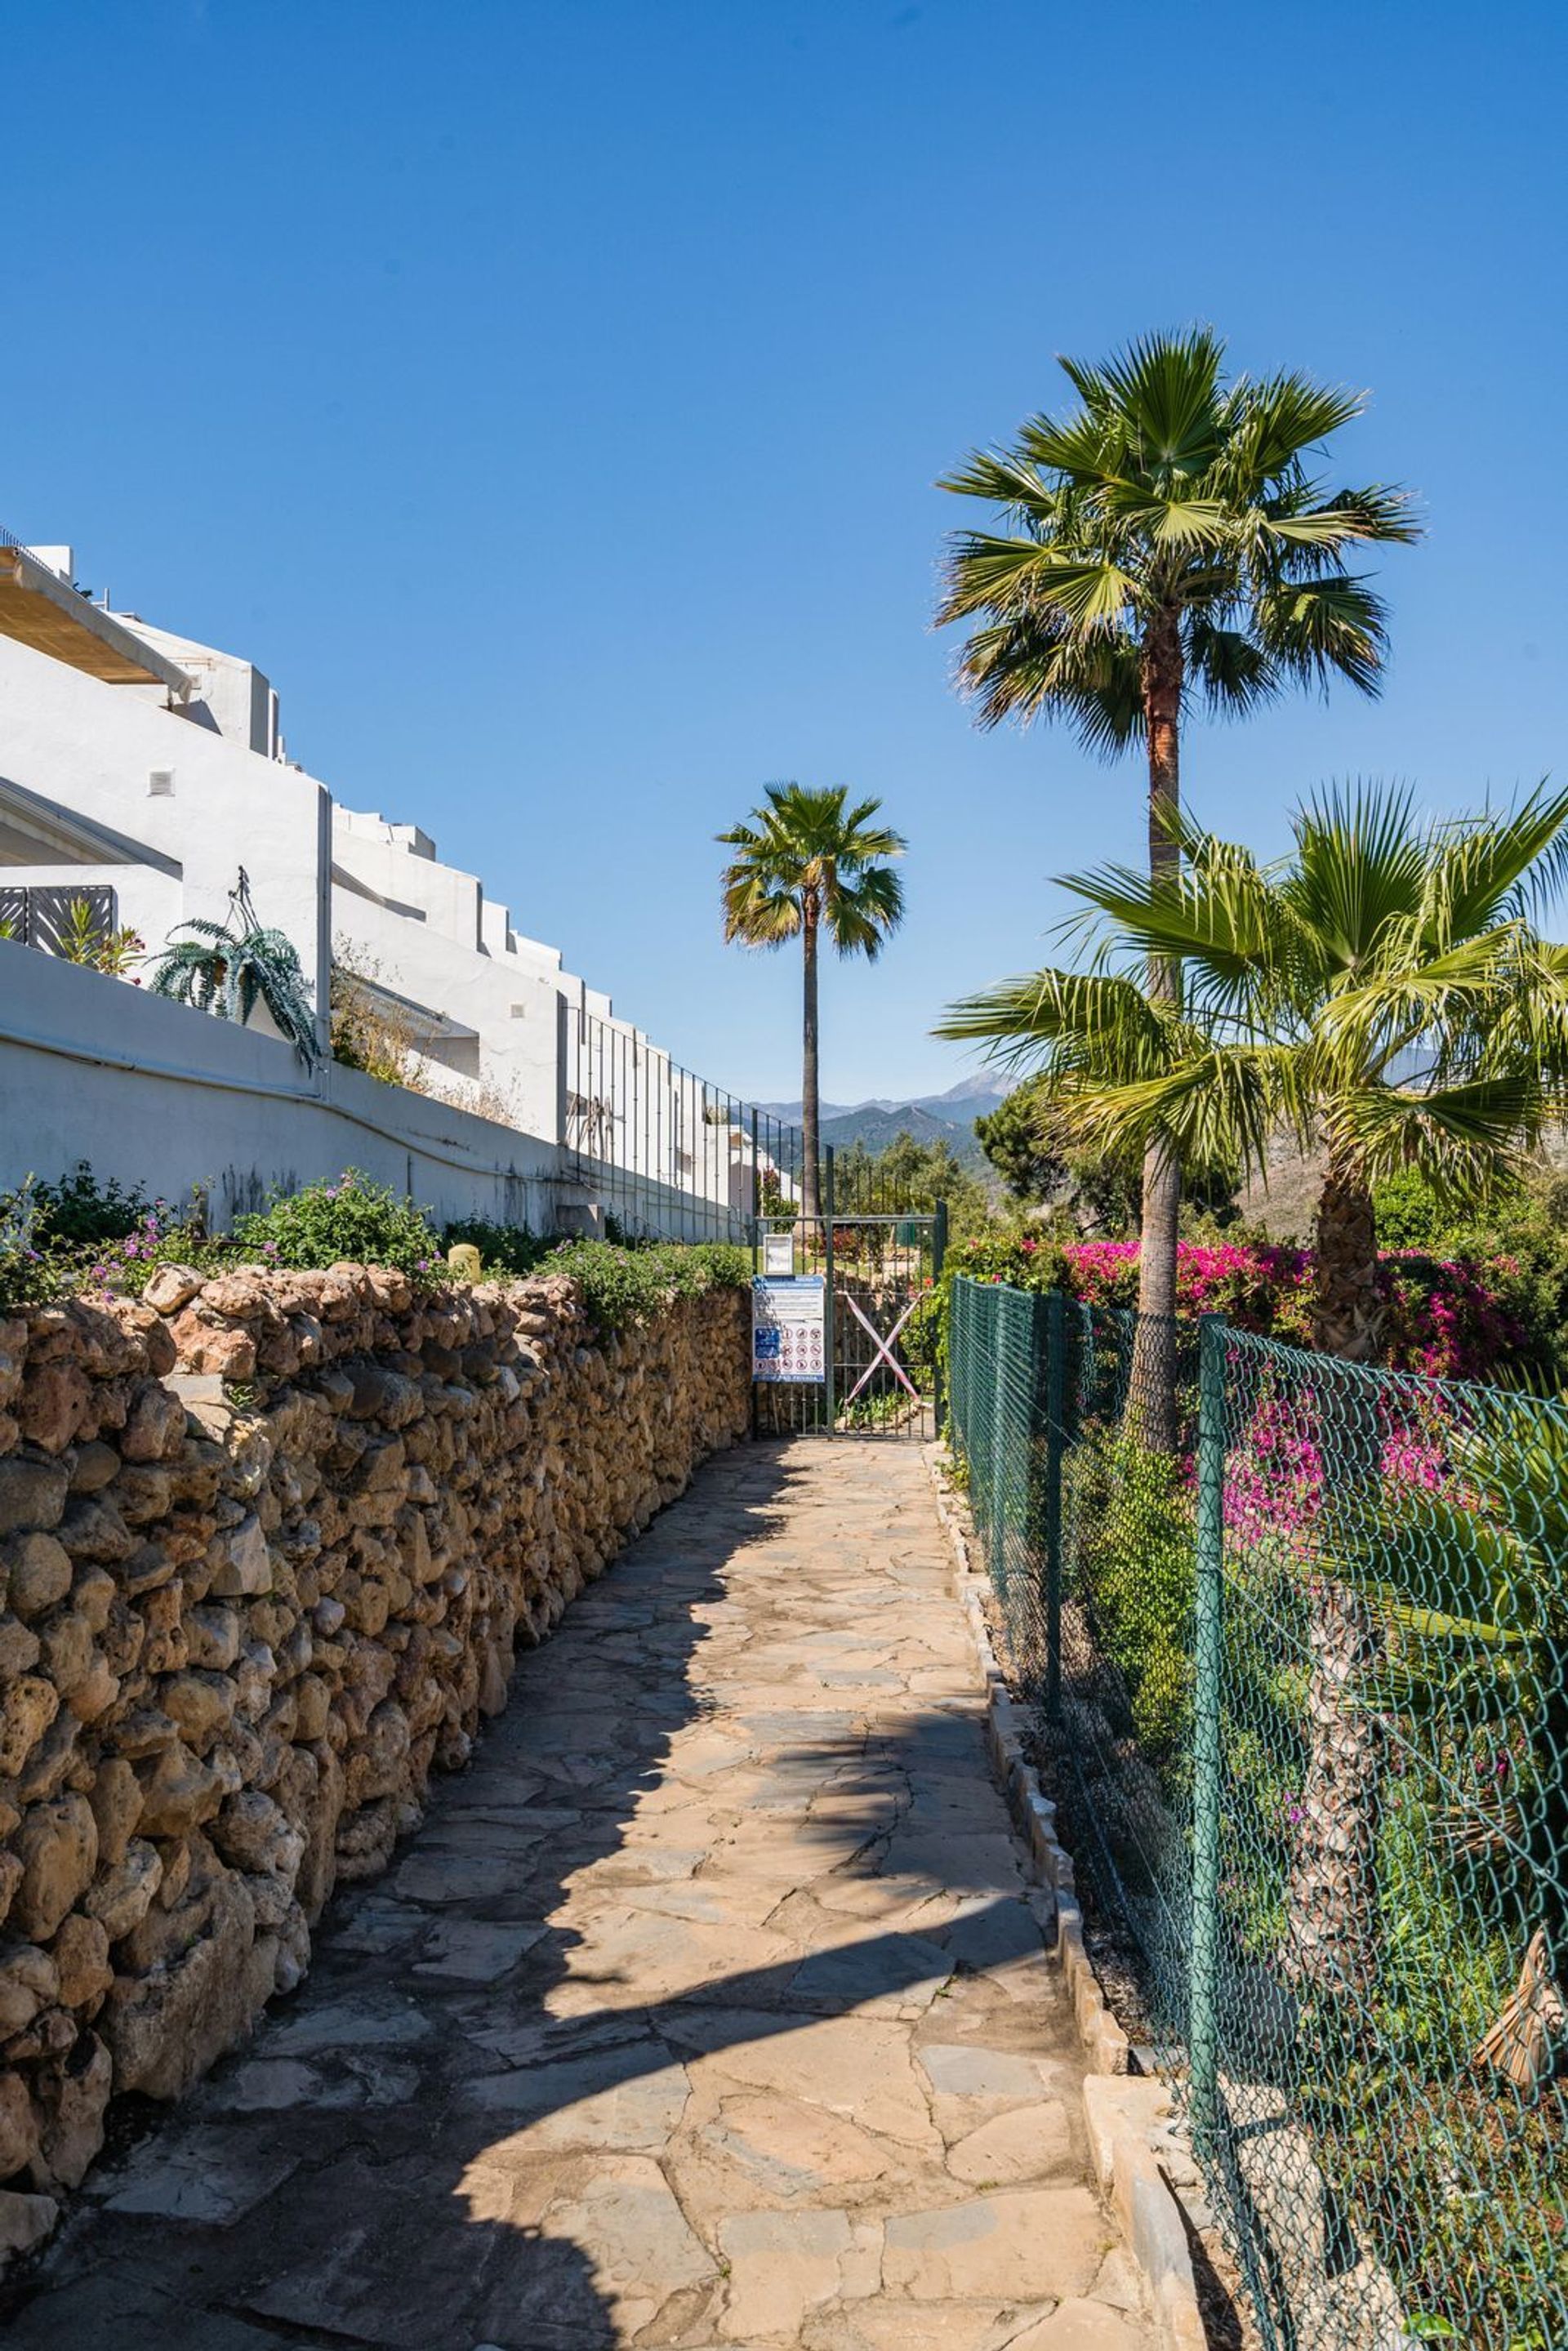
(788, 1318)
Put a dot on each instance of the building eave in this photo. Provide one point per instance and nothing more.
(40, 609)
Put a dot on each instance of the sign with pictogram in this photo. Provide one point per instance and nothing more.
(789, 1338)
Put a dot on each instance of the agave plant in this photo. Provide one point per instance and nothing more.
(230, 967)
(1464, 1575)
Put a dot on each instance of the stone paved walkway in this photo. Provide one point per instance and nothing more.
(706, 2008)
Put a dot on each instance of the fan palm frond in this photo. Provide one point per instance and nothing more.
(1169, 490)
(1307, 988)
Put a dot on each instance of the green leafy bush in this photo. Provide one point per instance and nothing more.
(1133, 1512)
(352, 1218)
(623, 1286)
(622, 1280)
(1520, 1239)
(79, 1236)
(79, 1209)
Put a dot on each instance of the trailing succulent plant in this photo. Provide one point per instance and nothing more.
(230, 967)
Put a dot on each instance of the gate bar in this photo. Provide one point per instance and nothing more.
(829, 1302)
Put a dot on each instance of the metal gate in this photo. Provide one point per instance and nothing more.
(845, 1324)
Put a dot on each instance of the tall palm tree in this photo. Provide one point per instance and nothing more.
(807, 864)
(1383, 993)
(1164, 544)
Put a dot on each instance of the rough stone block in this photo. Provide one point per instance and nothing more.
(37, 1571)
(32, 1493)
(240, 1560)
(58, 1846)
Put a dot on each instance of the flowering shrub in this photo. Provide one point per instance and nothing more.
(1448, 1319)
(162, 1235)
(1292, 1459)
(1274, 1482)
(58, 1240)
(352, 1218)
(20, 1256)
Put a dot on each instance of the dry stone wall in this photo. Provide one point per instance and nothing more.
(267, 1543)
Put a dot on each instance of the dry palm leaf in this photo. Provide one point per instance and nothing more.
(1520, 2043)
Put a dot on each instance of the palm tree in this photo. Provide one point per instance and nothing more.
(1384, 994)
(1164, 544)
(1381, 992)
(230, 967)
(805, 864)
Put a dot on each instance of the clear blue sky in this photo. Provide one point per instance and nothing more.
(548, 397)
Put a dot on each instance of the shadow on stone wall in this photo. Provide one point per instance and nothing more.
(418, 2144)
(242, 1626)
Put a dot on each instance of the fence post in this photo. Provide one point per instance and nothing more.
(938, 1256)
(1207, 1755)
(830, 1304)
(996, 1464)
(1055, 1440)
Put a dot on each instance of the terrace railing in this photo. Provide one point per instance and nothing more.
(668, 1154)
(672, 1156)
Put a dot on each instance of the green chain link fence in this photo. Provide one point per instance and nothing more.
(1298, 1634)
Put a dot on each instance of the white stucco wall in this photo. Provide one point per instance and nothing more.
(92, 748)
(513, 1009)
(163, 1097)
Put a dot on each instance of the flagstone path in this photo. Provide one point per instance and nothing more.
(708, 2008)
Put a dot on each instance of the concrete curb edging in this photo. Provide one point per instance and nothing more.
(1127, 2115)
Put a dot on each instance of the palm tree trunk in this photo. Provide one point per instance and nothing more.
(810, 1108)
(1333, 1907)
(1348, 1315)
(1153, 1394)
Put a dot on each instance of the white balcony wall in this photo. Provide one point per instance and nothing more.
(513, 1008)
(93, 750)
(166, 1098)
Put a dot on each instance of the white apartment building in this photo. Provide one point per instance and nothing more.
(145, 770)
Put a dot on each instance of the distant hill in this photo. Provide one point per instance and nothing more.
(930, 1118)
(970, 1099)
(876, 1129)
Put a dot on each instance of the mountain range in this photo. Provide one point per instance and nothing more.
(930, 1118)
